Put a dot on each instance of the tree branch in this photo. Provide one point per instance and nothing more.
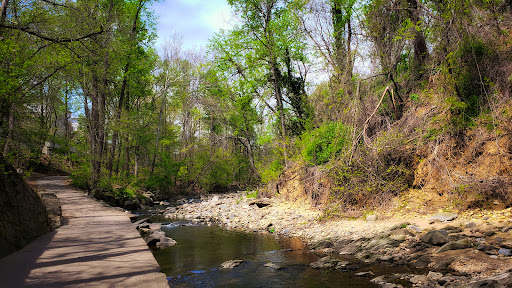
(48, 38)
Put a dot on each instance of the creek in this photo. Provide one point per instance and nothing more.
(196, 260)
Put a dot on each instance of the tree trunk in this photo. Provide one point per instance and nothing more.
(158, 131)
(280, 108)
(3, 11)
(10, 131)
(419, 43)
(117, 121)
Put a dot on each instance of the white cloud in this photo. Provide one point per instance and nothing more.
(196, 20)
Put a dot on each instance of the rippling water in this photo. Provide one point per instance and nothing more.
(196, 260)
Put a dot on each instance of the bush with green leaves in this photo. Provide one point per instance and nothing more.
(325, 142)
(219, 172)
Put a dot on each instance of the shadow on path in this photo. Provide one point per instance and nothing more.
(99, 247)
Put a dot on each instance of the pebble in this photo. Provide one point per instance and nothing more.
(504, 252)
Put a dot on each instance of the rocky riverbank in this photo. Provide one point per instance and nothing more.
(469, 250)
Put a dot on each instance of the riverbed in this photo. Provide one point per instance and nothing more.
(268, 260)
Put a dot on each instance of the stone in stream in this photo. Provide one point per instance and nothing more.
(273, 266)
(159, 240)
(326, 262)
(231, 264)
(165, 242)
(365, 274)
(141, 222)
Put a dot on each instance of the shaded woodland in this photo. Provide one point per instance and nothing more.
(359, 101)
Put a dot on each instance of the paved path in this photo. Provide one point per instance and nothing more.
(98, 247)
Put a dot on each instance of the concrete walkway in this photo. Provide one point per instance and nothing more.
(97, 247)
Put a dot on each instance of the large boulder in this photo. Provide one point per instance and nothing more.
(24, 215)
(455, 245)
(434, 238)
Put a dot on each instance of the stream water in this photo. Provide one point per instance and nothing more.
(196, 260)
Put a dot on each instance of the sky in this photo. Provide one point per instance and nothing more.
(195, 20)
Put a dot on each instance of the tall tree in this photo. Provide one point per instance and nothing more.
(268, 37)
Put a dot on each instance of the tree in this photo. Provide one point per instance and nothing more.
(267, 44)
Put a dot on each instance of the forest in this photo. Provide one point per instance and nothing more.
(349, 103)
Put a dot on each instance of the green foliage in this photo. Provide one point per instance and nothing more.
(325, 143)
(167, 172)
(218, 172)
(80, 177)
(252, 194)
(271, 171)
(470, 65)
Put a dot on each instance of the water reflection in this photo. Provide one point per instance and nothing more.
(196, 260)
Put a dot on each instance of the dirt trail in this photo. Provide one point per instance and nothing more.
(97, 247)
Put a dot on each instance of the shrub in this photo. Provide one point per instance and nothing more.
(324, 143)
(80, 177)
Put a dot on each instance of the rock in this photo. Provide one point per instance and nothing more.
(326, 262)
(443, 217)
(273, 266)
(24, 215)
(346, 266)
(456, 245)
(155, 237)
(391, 285)
(434, 238)
(53, 209)
(416, 279)
(414, 228)
(488, 249)
(470, 224)
(349, 249)
(231, 264)
(400, 234)
(364, 274)
(165, 242)
(504, 252)
(485, 218)
(422, 261)
(372, 217)
(131, 205)
(261, 202)
(500, 281)
(322, 245)
(141, 222)
(379, 280)
(144, 232)
(434, 275)
(473, 261)
(171, 209)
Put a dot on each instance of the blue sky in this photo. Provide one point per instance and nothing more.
(195, 20)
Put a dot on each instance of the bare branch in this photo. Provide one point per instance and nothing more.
(48, 38)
